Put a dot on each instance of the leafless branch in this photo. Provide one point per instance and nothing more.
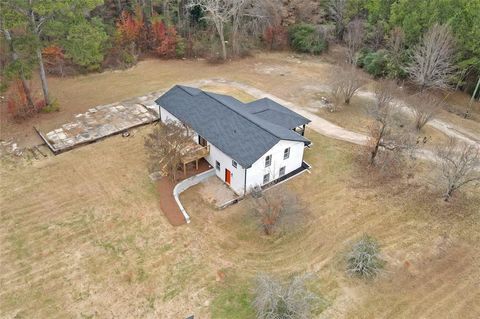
(432, 60)
(459, 164)
(425, 107)
(292, 300)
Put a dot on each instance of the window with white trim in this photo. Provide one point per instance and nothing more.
(268, 160)
(217, 165)
(234, 164)
(282, 171)
(266, 178)
(286, 153)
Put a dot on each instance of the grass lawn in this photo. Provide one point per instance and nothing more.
(82, 234)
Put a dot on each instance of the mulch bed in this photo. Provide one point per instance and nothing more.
(165, 185)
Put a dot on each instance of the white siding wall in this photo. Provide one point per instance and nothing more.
(258, 170)
(237, 177)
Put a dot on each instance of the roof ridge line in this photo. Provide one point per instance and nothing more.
(206, 93)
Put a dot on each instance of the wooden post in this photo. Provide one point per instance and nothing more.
(184, 170)
(196, 164)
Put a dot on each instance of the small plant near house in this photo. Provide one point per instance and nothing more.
(364, 260)
(277, 208)
(293, 300)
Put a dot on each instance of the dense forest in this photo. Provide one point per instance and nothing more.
(433, 43)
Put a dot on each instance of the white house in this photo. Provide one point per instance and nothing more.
(251, 144)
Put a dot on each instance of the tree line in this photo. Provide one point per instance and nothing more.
(385, 37)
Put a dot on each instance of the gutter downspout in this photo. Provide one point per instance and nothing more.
(245, 183)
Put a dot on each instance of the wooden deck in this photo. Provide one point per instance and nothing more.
(193, 153)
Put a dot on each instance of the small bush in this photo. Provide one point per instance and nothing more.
(306, 38)
(363, 259)
(52, 107)
(274, 300)
(375, 63)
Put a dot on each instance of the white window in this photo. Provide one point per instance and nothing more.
(286, 153)
(234, 164)
(282, 171)
(268, 160)
(266, 178)
(217, 165)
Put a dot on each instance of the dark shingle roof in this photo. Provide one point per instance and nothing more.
(227, 123)
(276, 113)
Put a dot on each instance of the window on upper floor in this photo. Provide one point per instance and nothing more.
(234, 164)
(268, 160)
(286, 153)
(217, 165)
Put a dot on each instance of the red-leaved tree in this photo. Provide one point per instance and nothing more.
(165, 39)
(275, 37)
(129, 28)
(17, 102)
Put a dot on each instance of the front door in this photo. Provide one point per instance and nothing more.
(227, 176)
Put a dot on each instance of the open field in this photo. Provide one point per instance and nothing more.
(296, 78)
(82, 235)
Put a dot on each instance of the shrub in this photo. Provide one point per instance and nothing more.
(17, 102)
(363, 259)
(375, 63)
(306, 38)
(277, 208)
(274, 300)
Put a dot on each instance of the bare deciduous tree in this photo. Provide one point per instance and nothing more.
(459, 164)
(432, 60)
(364, 260)
(338, 10)
(425, 107)
(395, 43)
(219, 12)
(385, 133)
(277, 208)
(347, 84)
(290, 301)
(354, 39)
(164, 146)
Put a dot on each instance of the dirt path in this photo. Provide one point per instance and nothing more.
(318, 123)
(444, 127)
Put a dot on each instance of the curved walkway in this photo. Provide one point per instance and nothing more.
(169, 191)
(186, 184)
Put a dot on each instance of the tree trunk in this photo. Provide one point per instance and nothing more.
(25, 86)
(222, 40)
(43, 77)
(377, 145)
(38, 51)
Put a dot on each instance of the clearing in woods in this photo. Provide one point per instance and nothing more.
(82, 234)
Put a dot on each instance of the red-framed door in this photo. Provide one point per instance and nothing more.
(228, 176)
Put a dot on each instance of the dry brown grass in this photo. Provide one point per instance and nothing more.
(82, 234)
